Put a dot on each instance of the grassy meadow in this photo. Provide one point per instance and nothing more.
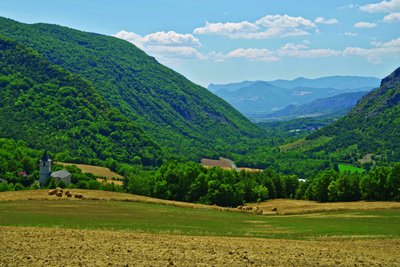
(157, 218)
(350, 168)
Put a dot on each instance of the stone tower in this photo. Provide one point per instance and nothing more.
(44, 168)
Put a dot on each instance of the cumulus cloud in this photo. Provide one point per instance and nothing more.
(303, 51)
(234, 30)
(269, 26)
(252, 54)
(168, 47)
(365, 25)
(384, 6)
(378, 53)
(351, 34)
(392, 17)
(322, 20)
(285, 21)
(170, 38)
(300, 50)
(349, 6)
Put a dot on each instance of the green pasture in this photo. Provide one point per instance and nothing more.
(154, 218)
(350, 168)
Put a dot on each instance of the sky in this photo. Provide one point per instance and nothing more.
(225, 41)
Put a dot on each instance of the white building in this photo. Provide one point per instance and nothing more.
(45, 172)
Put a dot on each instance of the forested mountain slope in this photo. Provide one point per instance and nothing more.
(373, 126)
(177, 113)
(51, 108)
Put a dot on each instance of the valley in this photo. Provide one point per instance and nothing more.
(301, 97)
(111, 156)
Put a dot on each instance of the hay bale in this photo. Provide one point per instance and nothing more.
(240, 207)
(259, 212)
(59, 194)
(274, 209)
(68, 194)
(76, 195)
(80, 196)
(52, 192)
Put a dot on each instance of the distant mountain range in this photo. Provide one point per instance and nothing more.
(253, 98)
(334, 106)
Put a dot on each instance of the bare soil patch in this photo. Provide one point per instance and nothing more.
(28, 246)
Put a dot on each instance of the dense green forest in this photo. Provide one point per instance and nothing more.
(181, 116)
(50, 108)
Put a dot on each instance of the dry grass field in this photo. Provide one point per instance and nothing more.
(100, 195)
(95, 170)
(27, 246)
(118, 229)
(109, 181)
(291, 207)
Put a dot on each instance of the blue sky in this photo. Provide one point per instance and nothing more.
(223, 41)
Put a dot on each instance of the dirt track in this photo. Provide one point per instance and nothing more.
(27, 246)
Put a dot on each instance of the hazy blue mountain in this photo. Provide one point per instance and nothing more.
(229, 87)
(337, 105)
(336, 82)
(253, 98)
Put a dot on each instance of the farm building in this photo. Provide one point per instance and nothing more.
(45, 172)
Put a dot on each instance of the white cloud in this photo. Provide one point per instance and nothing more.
(378, 53)
(176, 51)
(252, 54)
(285, 21)
(131, 37)
(349, 6)
(351, 34)
(303, 51)
(233, 30)
(269, 26)
(384, 6)
(168, 47)
(365, 25)
(170, 38)
(392, 17)
(322, 20)
(300, 50)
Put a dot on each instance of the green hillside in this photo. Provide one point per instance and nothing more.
(177, 113)
(51, 108)
(371, 127)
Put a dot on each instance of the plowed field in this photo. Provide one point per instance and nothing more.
(27, 246)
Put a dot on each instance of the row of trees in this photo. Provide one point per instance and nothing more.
(381, 183)
(193, 183)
